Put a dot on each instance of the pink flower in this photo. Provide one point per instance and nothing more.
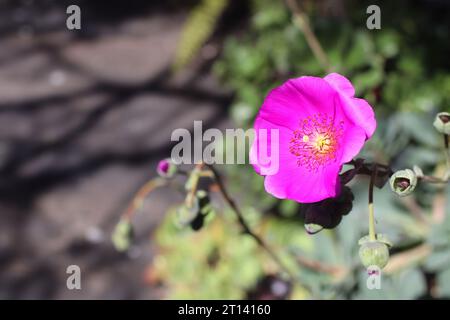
(321, 126)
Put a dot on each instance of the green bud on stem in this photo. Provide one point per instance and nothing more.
(374, 252)
(122, 235)
(442, 122)
(166, 168)
(403, 182)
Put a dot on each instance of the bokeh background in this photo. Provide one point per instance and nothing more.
(86, 115)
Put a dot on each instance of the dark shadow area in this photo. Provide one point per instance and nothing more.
(69, 132)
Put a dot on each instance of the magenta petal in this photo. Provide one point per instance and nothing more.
(340, 83)
(284, 135)
(353, 141)
(303, 186)
(297, 99)
(358, 110)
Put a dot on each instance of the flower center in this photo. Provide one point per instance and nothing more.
(316, 141)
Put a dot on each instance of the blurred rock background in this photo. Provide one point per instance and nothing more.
(84, 118)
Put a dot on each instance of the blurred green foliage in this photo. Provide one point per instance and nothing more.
(198, 28)
(216, 262)
(403, 71)
(402, 67)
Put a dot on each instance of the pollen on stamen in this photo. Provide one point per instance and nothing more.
(316, 141)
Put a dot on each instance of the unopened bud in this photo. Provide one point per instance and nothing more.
(442, 122)
(374, 253)
(403, 182)
(166, 168)
(122, 235)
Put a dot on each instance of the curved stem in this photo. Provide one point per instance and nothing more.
(139, 197)
(301, 19)
(446, 177)
(245, 225)
(431, 179)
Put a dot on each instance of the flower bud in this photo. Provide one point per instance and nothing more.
(403, 182)
(122, 235)
(379, 237)
(442, 122)
(374, 253)
(166, 168)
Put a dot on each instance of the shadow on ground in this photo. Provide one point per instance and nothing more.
(84, 118)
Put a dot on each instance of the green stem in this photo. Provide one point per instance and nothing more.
(302, 22)
(272, 253)
(138, 199)
(372, 234)
(447, 151)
